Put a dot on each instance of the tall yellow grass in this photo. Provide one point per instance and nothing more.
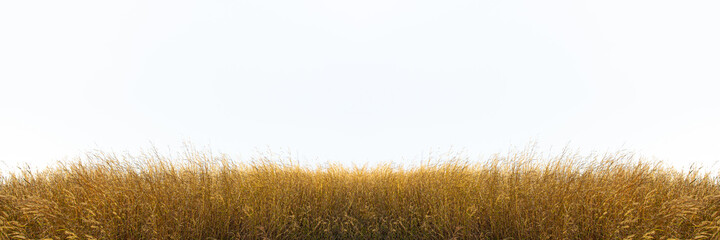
(613, 196)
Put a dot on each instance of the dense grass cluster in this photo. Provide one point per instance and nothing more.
(517, 196)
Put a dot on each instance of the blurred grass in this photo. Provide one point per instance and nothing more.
(517, 196)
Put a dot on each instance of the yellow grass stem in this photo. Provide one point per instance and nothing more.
(201, 196)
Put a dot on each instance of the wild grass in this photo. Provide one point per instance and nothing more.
(518, 196)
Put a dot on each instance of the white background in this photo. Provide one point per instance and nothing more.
(359, 82)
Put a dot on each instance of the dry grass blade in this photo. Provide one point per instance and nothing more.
(519, 196)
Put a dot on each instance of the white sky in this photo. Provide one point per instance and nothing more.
(359, 81)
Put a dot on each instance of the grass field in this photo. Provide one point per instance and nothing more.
(514, 196)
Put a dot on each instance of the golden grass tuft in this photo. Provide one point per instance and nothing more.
(198, 196)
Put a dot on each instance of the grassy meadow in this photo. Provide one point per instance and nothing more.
(520, 195)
